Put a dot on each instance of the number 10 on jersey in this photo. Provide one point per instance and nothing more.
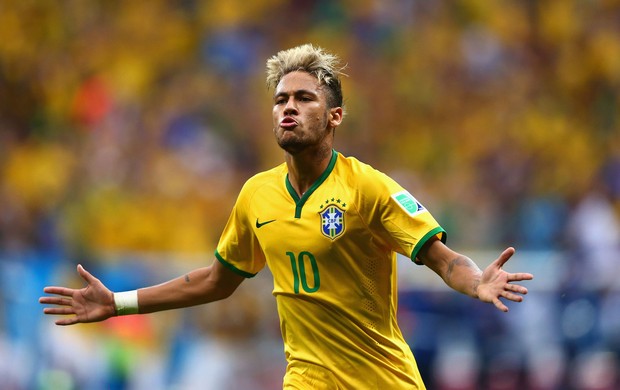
(299, 265)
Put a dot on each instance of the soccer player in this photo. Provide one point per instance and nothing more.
(328, 227)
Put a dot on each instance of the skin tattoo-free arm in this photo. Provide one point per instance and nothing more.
(95, 302)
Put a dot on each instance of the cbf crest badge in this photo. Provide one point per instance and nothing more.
(332, 221)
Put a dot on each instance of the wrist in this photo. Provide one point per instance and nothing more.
(126, 303)
(476, 286)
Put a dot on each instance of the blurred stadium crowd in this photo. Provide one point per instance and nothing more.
(127, 129)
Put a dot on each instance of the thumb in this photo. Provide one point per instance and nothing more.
(87, 276)
(503, 258)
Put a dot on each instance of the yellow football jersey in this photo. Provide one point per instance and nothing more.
(332, 253)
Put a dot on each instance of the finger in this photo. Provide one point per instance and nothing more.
(516, 288)
(58, 310)
(512, 297)
(87, 276)
(503, 258)
(67, 321)
(520, 276)
(55, 301)
(68, 292)
(500, 305)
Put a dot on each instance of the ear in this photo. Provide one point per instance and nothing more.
(335, 116)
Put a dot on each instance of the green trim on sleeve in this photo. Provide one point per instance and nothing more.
(232, 267)
(427, 236)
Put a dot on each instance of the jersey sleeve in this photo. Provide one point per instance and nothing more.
(238, 248)
(396, 217)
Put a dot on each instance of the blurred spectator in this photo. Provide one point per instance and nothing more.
(594, 233)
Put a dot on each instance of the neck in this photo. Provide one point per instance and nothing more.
(306, 167)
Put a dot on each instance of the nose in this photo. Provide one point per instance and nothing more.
(290, 108)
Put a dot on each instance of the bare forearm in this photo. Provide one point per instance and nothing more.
(194, 288)
(458, 271)
(463, 275)
(96, 302)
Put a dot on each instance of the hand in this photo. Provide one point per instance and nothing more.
(496, 283)
(89, 304)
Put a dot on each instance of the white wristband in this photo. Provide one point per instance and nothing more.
(126, 302)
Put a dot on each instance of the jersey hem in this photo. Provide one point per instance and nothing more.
(232, 267)
(427, 236)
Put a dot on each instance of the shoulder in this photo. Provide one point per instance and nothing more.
(349, 165)
(262, 179)
(364, 176)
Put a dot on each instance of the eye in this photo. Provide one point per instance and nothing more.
(279, 101)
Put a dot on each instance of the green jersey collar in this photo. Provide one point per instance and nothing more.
(299, 202)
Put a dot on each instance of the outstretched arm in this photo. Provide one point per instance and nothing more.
(95, 302)
(463, 275)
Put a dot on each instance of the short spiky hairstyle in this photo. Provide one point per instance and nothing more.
(314, 60)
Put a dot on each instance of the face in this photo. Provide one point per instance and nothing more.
(301, 118)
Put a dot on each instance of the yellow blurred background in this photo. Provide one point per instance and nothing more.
(128, 128)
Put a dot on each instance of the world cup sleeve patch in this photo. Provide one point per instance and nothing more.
(408, 203)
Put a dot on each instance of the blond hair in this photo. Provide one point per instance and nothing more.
(313, 60)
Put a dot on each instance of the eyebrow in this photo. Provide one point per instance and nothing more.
(296, 92)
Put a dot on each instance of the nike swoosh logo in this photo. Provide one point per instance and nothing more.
(260, 224)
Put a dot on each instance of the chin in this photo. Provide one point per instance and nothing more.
(290, 143)
(291, 147)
